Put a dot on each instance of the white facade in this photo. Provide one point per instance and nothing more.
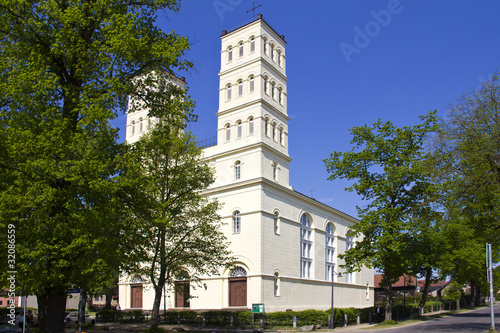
(286, 243)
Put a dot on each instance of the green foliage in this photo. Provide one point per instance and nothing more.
(66, 69)
(469, 183)
(386, 162)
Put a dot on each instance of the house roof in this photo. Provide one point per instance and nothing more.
(410, 281)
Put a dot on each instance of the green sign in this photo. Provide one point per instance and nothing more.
(257, 308)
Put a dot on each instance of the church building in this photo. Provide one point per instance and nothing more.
(286, 243)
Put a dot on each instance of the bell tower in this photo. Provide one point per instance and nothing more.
(252, 126)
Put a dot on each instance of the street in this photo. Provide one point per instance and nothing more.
(470, 322)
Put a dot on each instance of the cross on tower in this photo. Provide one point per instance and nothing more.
(253, 9)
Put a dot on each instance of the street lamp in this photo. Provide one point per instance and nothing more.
(332, 325)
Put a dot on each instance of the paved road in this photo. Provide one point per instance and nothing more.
(471, 322)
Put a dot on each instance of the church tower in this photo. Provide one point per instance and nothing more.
(252, 118)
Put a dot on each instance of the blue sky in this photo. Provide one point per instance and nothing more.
(349, 63)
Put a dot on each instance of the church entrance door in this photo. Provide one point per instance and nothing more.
(238, 291)
(136, 291)
(182, 294)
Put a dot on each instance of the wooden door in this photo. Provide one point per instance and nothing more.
(136, 291)
(238, 291)
(182, 289)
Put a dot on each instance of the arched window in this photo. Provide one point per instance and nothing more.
(274, 131)
(305, 246)
(228, 89)
(277, 282)
(280, 95)
(238, 129)
(330, 251)
(252, 44)
(237, 170)
(240, 46)
(236, 222)
(272, 52)
(228, 132)
(279, 58)
(149, 123)
(133, 128)
(275, 171)
(238, 271)
(240, 87)
(273, 88)
(251, 84)
(276, 219)
(265, 45)
(266, 126)
(265, 84)
(281, 136)
(140, 125)
(250, 126)
(230, 54)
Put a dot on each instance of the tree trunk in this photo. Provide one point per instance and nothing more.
(423, 300)
(51, 308)
(477, 299)
(388, 294)
(155, 318)
(82, 306)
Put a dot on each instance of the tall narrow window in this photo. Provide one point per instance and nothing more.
(236, 222)
(276, 284)
(240, 88)
(273, 86)
(251, 84)
(265, 46)
(281, 135)
(280, 96)
(275, 171)
(237, 170)
(228, 132)
(228, 92)
(252, 44)
(279, 58)
(241, 49)
(272, 52)
(238, 129)
(133, 128)
(250, 126)
(140, 125)
(330, 251)
(349, 243)
(274, 131)
(149, 123)
(305, 246)
(276, 223)
(266, 126)
(230, 54)
(265, 84)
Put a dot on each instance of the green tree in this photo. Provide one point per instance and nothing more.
(385, 161)
(182, 232)
(66, 69)
(469, 182)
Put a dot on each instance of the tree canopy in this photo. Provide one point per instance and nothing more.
(66, 69)
(386, 164)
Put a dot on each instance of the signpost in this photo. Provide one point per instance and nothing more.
(489, 266)
(258, 308)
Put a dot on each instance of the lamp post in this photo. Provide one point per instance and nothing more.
(332, 325)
